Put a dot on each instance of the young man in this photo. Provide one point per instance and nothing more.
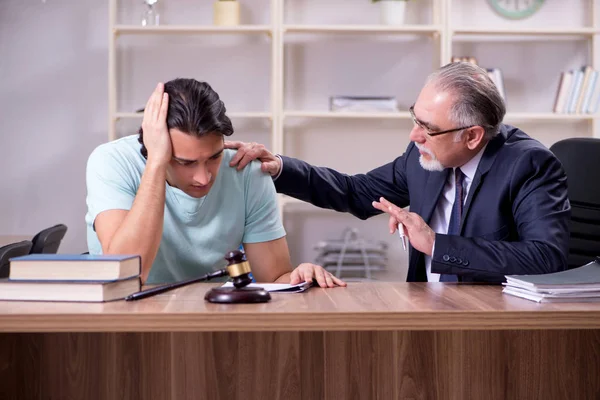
(486, 200)
(164, 195)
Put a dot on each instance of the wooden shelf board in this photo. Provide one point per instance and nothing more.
(347, 115)
(199, 29)
(124, 115)
(361, 29)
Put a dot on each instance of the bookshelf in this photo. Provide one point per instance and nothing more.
(439, 28)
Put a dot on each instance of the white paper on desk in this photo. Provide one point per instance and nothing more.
(278, 287)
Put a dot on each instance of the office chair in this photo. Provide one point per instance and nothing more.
(580, 158)
(48, 240)
(12, 250)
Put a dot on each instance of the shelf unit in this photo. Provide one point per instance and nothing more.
(441, 28)
(116, 30)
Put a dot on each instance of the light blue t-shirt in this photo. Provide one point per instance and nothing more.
(241, 207)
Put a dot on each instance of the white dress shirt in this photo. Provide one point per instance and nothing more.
(441, 215)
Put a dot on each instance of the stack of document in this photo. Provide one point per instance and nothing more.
(363, 104)
(574, 285)
(279, 287)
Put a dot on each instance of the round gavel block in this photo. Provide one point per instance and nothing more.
(234, 295)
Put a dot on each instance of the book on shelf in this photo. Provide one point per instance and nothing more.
(564, 85)
(588, 93)
(363, 104)
(573, 285)
(593, 105)
(575, 91)
(76, 291)
(587, 72)
(495, 75)
(74, 267)
(578, 91)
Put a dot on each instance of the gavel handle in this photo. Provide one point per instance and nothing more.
(169, 286)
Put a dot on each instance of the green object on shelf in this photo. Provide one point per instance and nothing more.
(515, 10)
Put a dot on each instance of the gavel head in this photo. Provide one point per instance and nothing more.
(238, 268)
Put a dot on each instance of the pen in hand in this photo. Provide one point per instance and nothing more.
(401, 234)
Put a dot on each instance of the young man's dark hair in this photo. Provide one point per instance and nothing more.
(194, 108)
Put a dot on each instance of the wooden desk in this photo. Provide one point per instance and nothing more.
(9, 239)
(367, 341)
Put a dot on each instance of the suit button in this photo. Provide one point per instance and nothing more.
(465, 263)
(446, 257)
(452, 259)
(459, 260)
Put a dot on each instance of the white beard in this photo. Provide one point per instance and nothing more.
(430, 165)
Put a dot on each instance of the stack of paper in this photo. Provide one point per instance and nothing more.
(574, 285)
(364, 104)
(278, 287)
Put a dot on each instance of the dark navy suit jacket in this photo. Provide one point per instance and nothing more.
(515, 218)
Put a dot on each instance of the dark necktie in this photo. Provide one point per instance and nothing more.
(455, 215)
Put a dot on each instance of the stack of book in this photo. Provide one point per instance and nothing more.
(57, 277)
(578, 92)
(573, 285)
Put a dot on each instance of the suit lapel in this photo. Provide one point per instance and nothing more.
(433, 190)
(488, 158)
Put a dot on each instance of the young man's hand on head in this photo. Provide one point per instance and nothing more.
(154, 125)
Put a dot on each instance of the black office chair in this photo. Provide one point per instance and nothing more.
(12, 250)
(580, 158)
(48, 240)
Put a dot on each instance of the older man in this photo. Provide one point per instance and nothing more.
(486, 200)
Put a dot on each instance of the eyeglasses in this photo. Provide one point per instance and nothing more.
(427, 131)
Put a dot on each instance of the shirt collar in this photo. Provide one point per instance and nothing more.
(470, 167)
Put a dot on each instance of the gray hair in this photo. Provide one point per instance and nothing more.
(477, 100)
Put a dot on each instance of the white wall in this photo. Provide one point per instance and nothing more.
(53, 102)
(53, 105)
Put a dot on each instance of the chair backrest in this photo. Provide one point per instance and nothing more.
(12, 250)
(580, 158)
(48, 240)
